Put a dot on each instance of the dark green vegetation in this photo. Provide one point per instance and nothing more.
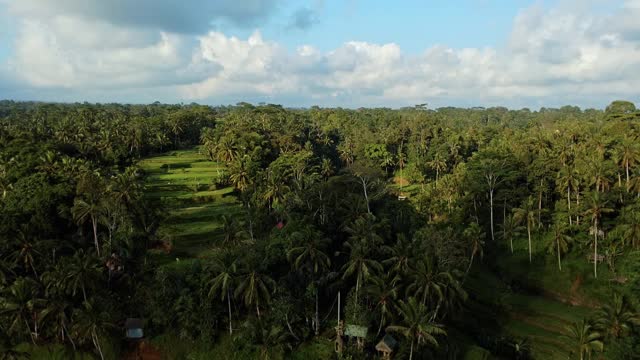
(464, 233)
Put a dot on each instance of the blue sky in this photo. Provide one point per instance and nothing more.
(346, 53)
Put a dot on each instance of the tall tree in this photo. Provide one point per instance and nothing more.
(584, 339)
(225, 270)
(526, 213)
(597, 206)
(417, 324)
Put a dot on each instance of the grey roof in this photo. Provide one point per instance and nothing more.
(390, 341)
(133, 323)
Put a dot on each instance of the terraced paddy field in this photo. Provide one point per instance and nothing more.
(184, 181)
(540, 319)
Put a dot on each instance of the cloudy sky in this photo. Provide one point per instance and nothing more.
(346, 53)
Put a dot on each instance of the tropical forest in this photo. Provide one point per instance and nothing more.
(260, 231)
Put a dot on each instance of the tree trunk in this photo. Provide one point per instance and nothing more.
(96, 343)
(411, 351)
(627, 170)
(317, 327)
(84, 293)
(569, 203)
(595, 248)
(473, 253)
(529, 234)
(94, 222)
(357, 286)
(491, 209)
(366, 197)
(258, 310)
(286, 319)
(229, 304)
(540, 205)
(559, 263)
(578, 205)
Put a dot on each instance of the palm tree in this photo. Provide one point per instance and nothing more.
(362, 240)
(20, 303)
(616, 319)
(400, 255)
(231, 232)
(596, 207)
(254, 289)
(26, 252)
(83, 271)
(526, 214)
(417, 324)
(383, 292)
(438, 164)
(90, 324)
(627, 154)
(310, 257)
(568, 179)
(474, 235)
(584, 338)
(226, 269)
(239, 173)
(509, 229)
(272, 340)
(631, 228)
(559, 242)
(360, 264)
(88, 209)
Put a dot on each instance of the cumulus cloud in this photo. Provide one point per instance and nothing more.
(552, 57)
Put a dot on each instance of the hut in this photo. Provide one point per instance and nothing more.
(358, 332)
(386, 346)
(134, 328)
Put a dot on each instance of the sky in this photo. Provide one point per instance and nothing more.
(347, 53)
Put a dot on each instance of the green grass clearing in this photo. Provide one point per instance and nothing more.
(185, 182)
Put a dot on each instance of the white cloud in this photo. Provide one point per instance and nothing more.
(553, 57)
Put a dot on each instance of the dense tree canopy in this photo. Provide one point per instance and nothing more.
(393, 209)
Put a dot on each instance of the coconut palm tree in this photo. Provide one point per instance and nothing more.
(438, 164)
(559, 241)
(595, 208)
(361, 263)
(88, 209)
(400, 255)
(509, 229)
(631, 228)
(526, 213)
(255, 289)
(20, 304)
(309, 257)
(584, 339)
(568, 179)
(416, 323)
(83, 270)
(225, 268)
(627, 154)
(617, 318)
(474, 235)
(360, 245)
(91, 323)
(383, 292)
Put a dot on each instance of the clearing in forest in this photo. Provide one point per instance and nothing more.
(184, 180)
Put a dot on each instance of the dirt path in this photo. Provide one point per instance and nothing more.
(144, 351)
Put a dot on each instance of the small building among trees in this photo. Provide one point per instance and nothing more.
(386, 346)
(134, 328)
